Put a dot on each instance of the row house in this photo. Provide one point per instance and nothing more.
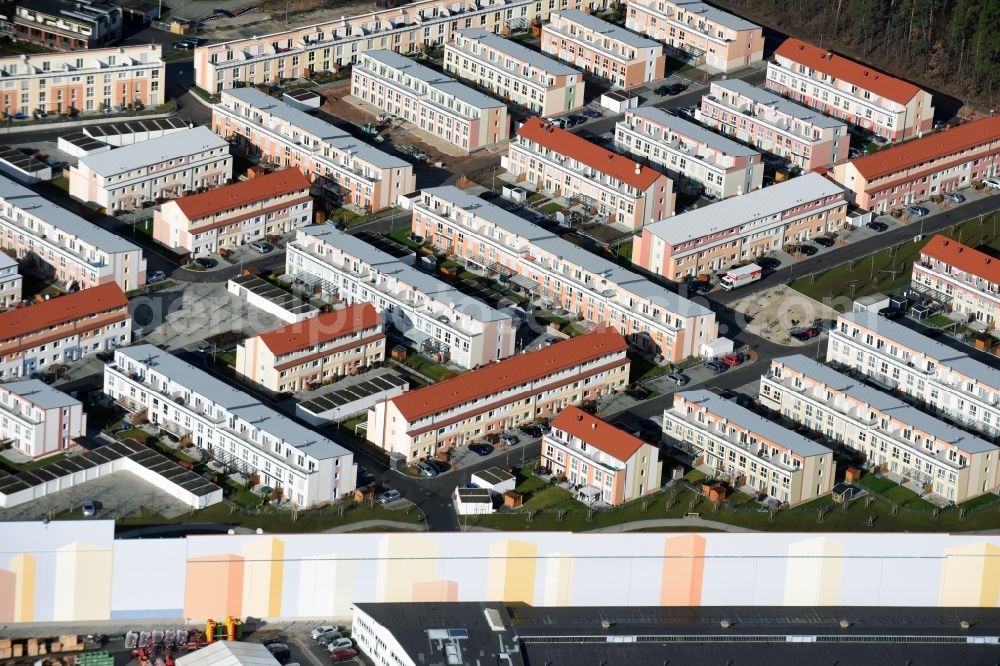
(695, 159)
(68, 25)
(892, 436)
(239, 431)
(604, 49)
(437, 104)
(61, 246)
(747, 450)
(513, 72)
(11, 281)
(851, 91)
(317, 350)
(434, 316)
(63, 329)
(962, 278)
(941, 162)
(150, 171)
(329, 46)
(698, 32)
(741, 229)
(275, 133)
(804, 137)
(39, 420)
(932, 375)
(227, 217)
(611, 465)
(496, 397)
(88, 81)
(559, 274)
(615, 187)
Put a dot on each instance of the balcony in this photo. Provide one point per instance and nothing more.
(758, 451)
(591, 455)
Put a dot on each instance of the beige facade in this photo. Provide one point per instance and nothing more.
(893, 436)
(112, 79)
(434, 103)
(962, 278)
(513, 72)
(557, 274)
(10, 282)
(272, 132)
(485, 402)
(337, 43)
(314, 351)
(39, 420)
(698, 32)
(933, 376)
(746, 450)
(741, 229)
(604, 49)
(68, 25)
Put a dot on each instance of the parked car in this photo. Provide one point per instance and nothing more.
(699, 286)
(591, 113)
(339, 643)
(717, 367)
(678, 378)
(280, 651)
(439, 465)
(768, 263)
(992, 183)
(389, 496)
(481, 448)
(806, 249)
(918, 211)
(332, 635)
(732, 360)
(824, 241)
(879, 140)
(578, 120)
(261, 246)
(89, 508)
(531, 430)
(426, 469)
(804, 334)
(954, 197)
(662, 91)
(637, 393)
(558, 122)
(343, 654)
(274, 640)
(878, 226)
(205, 262)
(509, 440)
(156, 276)
(891, 313)
(853, 153)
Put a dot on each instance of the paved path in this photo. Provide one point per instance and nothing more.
(667, 524)
(365, 524)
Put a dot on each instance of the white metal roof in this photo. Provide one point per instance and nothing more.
(519, 51)
(154, 151)
(40, 394)
(229, 653)
(434, 79)
(696, 132)
(779, 103)
(717, 15)
(610, 30)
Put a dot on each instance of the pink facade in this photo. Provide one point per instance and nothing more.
(804, 137)
(603, 49)
(698, 32)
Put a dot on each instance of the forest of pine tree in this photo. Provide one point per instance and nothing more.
(952, 46)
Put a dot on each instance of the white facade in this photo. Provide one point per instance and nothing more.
(63, 246)
(162, 168)
(936, 377)
(429, 312)
(236, 428)
(10, 282)
(39, 420)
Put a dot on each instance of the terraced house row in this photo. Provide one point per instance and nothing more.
(695, 159)
(274, 132)
(698, 32)
(616, 188)
(894, 437)
(853, 92)
(437, 318)
(327, 46)
(435, 103)
(559, 274)
(803, 136)
(741, 229)
(944, 381)
(604, 49)
(497, 397)
(963, 279)
(513, 72)
(85, 80)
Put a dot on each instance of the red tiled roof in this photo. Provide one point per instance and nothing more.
(937, 145)
(597, 433)
(840, 67)
(508, 373)
(321, 328)
(964, 258)
(60, 310)
(244, 192)
(576, 147)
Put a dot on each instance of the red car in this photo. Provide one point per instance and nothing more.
(731, 359)
(343, 654)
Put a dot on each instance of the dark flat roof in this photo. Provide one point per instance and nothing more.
(25, 163)
(336, 398)
(276, 295)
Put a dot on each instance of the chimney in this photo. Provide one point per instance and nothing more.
(638, 169)
(593, 426)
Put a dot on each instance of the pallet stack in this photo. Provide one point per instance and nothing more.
(35, 647)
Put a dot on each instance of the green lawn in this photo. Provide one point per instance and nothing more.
(403, 236)
(675, 66)
(940, 320)
(62, 182)
(551, 208)
(642, 369)
(889, 269)
(351, 219)
(227, 357)
(424, 365)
